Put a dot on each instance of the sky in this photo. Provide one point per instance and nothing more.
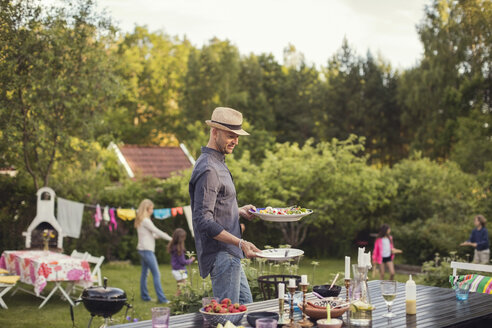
(315, 27)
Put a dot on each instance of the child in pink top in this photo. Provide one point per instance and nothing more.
(384, 251)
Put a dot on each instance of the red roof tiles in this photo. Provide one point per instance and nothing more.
(156, 161)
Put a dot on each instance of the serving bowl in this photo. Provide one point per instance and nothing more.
(215, 318)
(253, 316)
(317, 309)
(334, 323)
(326, 291)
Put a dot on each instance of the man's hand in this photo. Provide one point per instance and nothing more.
(249, 249)
(467, 243)
(245, 213)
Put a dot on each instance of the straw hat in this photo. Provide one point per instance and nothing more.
(227, 119)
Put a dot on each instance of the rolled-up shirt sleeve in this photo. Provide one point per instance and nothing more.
(205, 195)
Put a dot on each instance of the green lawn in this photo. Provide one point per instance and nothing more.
(23, 308)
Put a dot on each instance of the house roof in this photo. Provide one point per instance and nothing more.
(155, 161)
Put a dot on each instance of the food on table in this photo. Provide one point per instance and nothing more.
(284, 211)
(360, 312)
(228, 325)
(224, 306)
(360, 306)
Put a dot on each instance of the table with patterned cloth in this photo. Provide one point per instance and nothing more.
(38, 267)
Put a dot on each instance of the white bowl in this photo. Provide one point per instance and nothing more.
(333, 323)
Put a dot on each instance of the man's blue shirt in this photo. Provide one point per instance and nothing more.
(214, 207)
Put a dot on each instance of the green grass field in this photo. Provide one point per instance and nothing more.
(23, 308)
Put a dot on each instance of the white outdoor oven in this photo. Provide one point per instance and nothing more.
(45, 219)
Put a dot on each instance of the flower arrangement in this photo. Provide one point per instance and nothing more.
(47, 235)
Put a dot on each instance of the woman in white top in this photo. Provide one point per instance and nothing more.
(147, 234)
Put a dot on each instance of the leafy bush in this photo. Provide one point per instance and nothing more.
(436, 272)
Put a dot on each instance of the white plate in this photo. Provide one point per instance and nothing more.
(278, 217)
(280, 254)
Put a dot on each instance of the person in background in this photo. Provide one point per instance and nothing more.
(147, 234)
(178, 260)
(384, 251)
(479, 239)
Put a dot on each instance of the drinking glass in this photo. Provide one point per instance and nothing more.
(266, 323)
(462, 291)
(388, 290)
(160, 317)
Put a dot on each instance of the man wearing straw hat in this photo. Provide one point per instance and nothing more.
(215, 211)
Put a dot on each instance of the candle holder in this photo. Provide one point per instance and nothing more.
(305, 322)
(281, 302)
(347, 287)
(292, 324)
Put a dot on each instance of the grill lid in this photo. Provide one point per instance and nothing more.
(104, 293)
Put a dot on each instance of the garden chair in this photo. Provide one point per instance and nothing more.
(6, 284)
(269, 284)
(479, 283)
(96, 274)
(79, 255)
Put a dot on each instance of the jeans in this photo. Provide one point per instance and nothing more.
(229, 280)
(149, 261)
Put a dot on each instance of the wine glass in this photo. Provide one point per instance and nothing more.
(388, 290)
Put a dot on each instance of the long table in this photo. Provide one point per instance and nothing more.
(38, 267)
(436, 307)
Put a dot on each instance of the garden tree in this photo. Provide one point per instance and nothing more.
(359, 98)
(473, 147)
(328, 177)
(253, 80)
(433, 208)
(297, 100)
(55, 78)
(454, 76)
(151, 67)
(211, 80)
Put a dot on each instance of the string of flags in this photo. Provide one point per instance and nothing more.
(71, 219)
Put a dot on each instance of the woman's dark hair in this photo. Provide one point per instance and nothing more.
(177, 244)
(481, 219)
(383, 231)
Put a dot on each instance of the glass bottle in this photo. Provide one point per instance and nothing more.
(360, 299)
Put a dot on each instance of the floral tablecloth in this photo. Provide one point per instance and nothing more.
(38, 267)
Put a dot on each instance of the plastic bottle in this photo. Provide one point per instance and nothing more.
(411, 296)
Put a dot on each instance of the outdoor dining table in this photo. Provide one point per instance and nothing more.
(38, 267)
(436, 307)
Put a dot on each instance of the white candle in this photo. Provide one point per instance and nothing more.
(360, 258)
(347, 267)
(304, 279)
(281, 291)
(292, 283)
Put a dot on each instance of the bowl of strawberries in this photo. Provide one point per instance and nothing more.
(220, 312)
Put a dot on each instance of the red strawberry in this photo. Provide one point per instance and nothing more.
(231, 308)
(235, 311)
(223, 310)
(217, 308)
(242, 308)
(226, 301)
(208, 309)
